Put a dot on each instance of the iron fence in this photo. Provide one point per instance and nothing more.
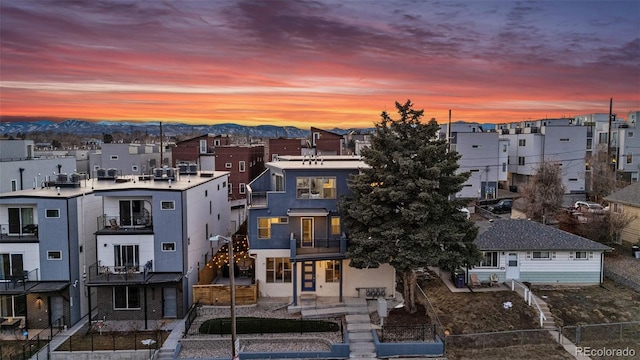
(399, 333)
(610, 332)
(112, 341)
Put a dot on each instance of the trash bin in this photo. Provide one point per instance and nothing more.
(635, 251)
(458, 278)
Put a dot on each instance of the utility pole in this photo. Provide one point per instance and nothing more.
(609, 159)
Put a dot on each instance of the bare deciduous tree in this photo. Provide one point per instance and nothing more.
(543, 193)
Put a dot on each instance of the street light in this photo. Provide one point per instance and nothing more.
(216, 241)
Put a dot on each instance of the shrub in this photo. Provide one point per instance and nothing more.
(254, 325)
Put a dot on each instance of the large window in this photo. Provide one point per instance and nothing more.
(278, 270)
(132, 212)
(489, 259)
(126, 257)
(126, 297)
(13, 306)
(332, 273)
(316, 187)
(20, 220)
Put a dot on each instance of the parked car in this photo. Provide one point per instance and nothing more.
(588, 207)
(501, 207)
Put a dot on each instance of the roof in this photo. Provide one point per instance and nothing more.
(319, 164)
(629, 195)
(518, 234)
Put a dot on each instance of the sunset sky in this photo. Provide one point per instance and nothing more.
(317, 63)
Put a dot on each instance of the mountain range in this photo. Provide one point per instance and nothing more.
(81, 127)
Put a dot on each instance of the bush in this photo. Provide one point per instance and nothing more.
(254, 325)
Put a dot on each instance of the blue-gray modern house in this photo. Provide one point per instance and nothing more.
(296, 234)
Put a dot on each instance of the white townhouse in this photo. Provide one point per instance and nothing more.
(483, 154)
(550, 140)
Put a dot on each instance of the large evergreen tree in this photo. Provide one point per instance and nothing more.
(402, 209)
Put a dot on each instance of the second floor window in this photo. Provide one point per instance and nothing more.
(521, 160)
(335, 226)
(522, 142)
(316, 187)
(242, 166)
(264, 228)
(243, 188)
(127, 257)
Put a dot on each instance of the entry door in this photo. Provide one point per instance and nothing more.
(307, 232)
(309, 276)
(513, 267)
(169, 302)
(57, 310)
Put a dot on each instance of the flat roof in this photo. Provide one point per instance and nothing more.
(182, 182)
(319, 164)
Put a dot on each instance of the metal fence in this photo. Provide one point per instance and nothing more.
(438, 328)
(399, 333)
(27, 348)
(192, 314)
(499, 339)
(112, 341)
(610, 332)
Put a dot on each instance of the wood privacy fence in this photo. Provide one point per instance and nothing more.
(220, 294)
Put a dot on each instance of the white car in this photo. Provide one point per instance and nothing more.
(588, 206)
(466, 212)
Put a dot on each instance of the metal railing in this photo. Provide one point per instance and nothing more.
(17, 232)
(129, 224)
(400, 333)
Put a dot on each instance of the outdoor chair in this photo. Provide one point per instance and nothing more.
(475, 281)
(493, 279)
(114, 224)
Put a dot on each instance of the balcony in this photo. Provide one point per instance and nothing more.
(116, 274)
(318, 248)
(18, 282)
(110, 225)
(17, 233)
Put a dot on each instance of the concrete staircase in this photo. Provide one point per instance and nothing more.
(165, 354)
(359, 327)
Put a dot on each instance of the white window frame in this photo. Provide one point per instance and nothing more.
(14, 185)
(168, 246)
(56, 216)
(167, 205)
(51, 255)
(203, 146)
(113, 157)
(243, 188)
(242, 166)
(228, 165)
(134, 168)
(495, 256)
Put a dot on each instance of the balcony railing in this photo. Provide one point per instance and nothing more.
(18, 282)
(140, 223)
(102, 273)
(336, 245)
(13, 232)
(258, 199)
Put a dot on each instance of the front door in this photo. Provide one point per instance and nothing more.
(169, 302)
(513, 267)
(57, 310)
(307, 232)
(308, 276)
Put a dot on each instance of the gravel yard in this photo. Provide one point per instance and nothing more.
(197, 346)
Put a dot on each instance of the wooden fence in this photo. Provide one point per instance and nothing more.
(220, 294)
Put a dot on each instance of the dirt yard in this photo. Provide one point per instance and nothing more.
(485, 312)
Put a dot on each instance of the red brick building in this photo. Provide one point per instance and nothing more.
(244, 163)
(326, 142)
(284, 146)
(189, 151)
